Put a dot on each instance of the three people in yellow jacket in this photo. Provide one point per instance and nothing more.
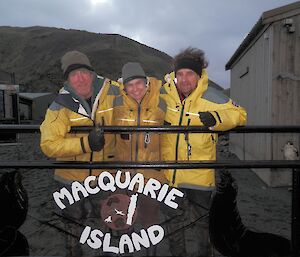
(85, 100)
(190, 102)
(186, 100)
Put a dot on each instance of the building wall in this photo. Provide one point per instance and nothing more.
(286, 81)
(33, 106)
(25, 107)
(286, 90)
(8, 110)
(40, 106)
(251, 87)
(9, 103)
(270, 91)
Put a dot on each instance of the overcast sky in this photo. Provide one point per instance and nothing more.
(216, 26)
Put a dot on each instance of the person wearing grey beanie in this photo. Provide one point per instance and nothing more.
(73, 60)
(132, 70)
(134, 80)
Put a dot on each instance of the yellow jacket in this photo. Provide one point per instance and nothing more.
(141, 146)
(196, 146)
(67, 111)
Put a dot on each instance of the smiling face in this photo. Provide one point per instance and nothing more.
(136, 89)
(81, 81)
(187, 81)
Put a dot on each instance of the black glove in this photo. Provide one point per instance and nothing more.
(207, 119)
(96, 139)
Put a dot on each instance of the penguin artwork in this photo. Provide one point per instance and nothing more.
(230, 236)
(290, 152)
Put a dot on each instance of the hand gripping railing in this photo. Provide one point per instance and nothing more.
(294, 165)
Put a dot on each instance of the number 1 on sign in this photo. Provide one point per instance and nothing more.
(131, 209)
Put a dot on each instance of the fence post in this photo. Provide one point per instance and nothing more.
(296, 213)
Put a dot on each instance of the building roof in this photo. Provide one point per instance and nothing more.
(31, 96)
(266, 19)
(215, 85)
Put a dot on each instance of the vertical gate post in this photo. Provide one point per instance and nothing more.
(296, 213)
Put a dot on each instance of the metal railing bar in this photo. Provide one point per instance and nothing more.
(161, 129)
(151, 165)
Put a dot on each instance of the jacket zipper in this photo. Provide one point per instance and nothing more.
(138, 124)
(137, 133)
(186, 137)
(177, 144)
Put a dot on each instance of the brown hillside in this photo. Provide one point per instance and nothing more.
(34, 53)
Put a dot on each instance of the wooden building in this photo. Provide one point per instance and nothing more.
(9, 111)
(33, 106)
(265, 79)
